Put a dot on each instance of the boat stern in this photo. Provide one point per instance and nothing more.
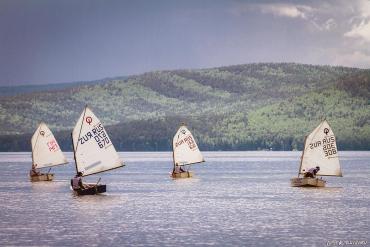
(307, 182)
(187, 174)
(42, 177)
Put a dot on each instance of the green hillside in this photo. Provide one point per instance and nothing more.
(22, 89)
(242, 107)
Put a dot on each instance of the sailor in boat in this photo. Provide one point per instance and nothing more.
(312, 172)
(178, 169)
(34, 172)
(77, 182)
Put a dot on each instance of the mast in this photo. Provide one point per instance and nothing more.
(74, 153)
(79, 135)
(173, 157)
(304, 148)
(33, 146)
(32, 153)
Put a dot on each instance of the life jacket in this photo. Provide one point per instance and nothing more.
(177, 169)
(76, 183)
(33, 172)
(312, 170)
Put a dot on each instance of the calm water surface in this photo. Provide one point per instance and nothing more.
(235, 199)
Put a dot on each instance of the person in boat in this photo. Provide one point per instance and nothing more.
(312, 172)
(178, 169)
(34, 172)
(77, 182)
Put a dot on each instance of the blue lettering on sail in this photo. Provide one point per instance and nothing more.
(98, 134)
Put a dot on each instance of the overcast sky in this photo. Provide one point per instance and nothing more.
(47, 41)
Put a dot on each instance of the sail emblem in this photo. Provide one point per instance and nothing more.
(183, 131)
(89, 120)
(326, 131)
(42, 132)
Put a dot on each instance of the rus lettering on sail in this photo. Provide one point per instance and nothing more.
(98, 134)
(329, 146)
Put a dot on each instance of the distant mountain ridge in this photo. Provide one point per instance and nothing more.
(240, 107)
(22, 89)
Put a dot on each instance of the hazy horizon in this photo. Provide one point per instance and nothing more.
(47, 42)
(104, 78)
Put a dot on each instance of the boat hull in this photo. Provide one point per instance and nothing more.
(42, 177)
(182, 175)
(307, 182)
(92, 189)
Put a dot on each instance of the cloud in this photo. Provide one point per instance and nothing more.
(316, 15)
(361, 31)
(359, 59)
(360, 21)
(335, 32)
(323, 25)
(364, 8)
(329, 24)
(276, 9)
(285, 10)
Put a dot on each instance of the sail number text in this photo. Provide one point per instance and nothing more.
(188, 140)
(328, 145)
(98, 134)
(53, 145)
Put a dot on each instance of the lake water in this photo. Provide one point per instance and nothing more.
(235, 199)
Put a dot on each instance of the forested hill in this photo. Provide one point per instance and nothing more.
(241, 107)
(22, 89)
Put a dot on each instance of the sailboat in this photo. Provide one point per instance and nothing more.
(320, 149)
(93, 151)
(185, 153)
(45, 153)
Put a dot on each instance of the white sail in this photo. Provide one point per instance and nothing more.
(45, 149)
(185, 149)
(321, 150)
(94, 151)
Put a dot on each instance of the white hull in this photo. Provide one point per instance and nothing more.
(307, 182)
